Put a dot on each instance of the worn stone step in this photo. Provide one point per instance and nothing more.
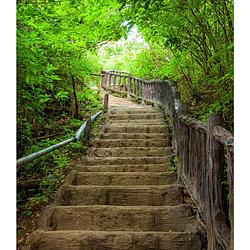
(129, 151)
(124, 168)
(123, 178)
(136, 116)
(135, 111)
(128, 160)
(144, 195)
(138, 122)
(120, 218)
(131, 128)
(138, 136)
(114, 240)
(129, 143)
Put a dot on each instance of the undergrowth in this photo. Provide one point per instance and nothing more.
(48, 173)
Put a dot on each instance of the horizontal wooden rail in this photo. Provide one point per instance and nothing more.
(202, 151)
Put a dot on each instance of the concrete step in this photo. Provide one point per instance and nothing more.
(128, 160)
(129, 143)
(138, 136)
(136, 116)
(124, 168)
(119, 218)
(129, 151)
(114, 240)
(123, 178)
(130, 128)
(144, 195)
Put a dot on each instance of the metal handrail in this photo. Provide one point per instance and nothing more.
(74, 138)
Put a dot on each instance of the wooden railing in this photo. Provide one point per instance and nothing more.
(205, 153)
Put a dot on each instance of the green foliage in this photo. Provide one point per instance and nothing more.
(174, 163)
(56, 43)
(190, 42)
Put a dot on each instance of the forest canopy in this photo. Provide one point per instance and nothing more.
(60, 43)
(56, 52)
(191, 42)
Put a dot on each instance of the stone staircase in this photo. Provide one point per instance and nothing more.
(124, 196)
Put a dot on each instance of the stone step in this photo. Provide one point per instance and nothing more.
(128, 160)
(138, 136)
(145, 195)
(130, 128)
(129, 143)
(136, 116)
(123, 178)
(114, 240)
(135, 111)
(138, 122)
(129, 151)
(119, 218)
(124, 168)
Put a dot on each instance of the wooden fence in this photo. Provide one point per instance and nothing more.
(205, 154)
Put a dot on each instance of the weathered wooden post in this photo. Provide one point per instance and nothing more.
(145, 91)
(226, 138)
(106, 101)
(230, 178)
(142, 92)
(120, 83)
(217, 229)
(151, 91)
(124, 84)
(134, 86)
(140, 89)
(109, 80)
(129, 86)
(114, 81)
(87, 131)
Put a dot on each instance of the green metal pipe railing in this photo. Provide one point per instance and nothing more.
(45, 151)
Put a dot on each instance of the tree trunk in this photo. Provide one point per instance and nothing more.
(75, 106)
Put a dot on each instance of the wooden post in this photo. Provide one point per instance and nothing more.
(142, 92)
(129, 86)
(106, 101)
(140, 89)
(119, 84)
(134, 87)
(218, 232)
(87, 131)
(230, 178)
(109, 80)
(124, 84)
(114, 82)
